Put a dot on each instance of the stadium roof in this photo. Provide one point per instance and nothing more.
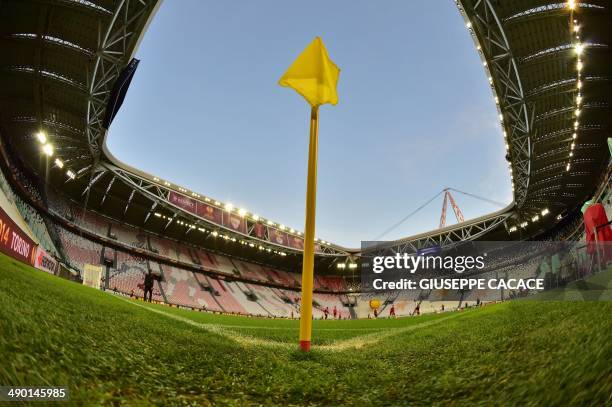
(61, 59)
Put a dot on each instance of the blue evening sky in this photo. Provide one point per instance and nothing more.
(415, 114)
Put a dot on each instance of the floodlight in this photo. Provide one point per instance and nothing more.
(42, 137)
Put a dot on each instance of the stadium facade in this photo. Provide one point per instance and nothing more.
(66, 65)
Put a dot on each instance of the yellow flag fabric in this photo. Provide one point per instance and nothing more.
(313, 75)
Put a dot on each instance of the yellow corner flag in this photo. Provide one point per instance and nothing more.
(314, 76)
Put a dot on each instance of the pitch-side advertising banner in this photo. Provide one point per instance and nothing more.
(45, 262)
(14, 242)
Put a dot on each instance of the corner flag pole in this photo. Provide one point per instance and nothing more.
(315, 77)
(309, 234)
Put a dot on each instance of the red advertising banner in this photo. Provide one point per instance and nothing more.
(296, 242)
(13, 242)
(209, 213)
(183, 202)
(234, 222)
(43, 261)
(277, 237)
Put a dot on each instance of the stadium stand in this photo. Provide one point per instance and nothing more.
(79, 251)
(26, 216)
(194, 277)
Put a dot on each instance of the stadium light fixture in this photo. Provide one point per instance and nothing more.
(574, 136)
(229, 207)
(255, 218)
(340, 265)
(42, 137)
(512, 229)
(59, 163)
(468, 24)
(217, 203)
(48, 150)
(281, 227)
(577, 28)
(579, 65)
(579, 84)
(353, 265)
(567, 168)
(524, 225)
(579, 99)
(571, 4)
(270, 223)
(71, 174)
(242, 212)
(576, 124)
(155, 179)
(579, 48)
(535, 218)
(215, 233)
(577, 112)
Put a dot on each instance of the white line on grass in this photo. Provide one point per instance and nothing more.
(355, 342)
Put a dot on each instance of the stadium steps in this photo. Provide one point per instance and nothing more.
(159, 282)
(461, 299)
(352, 312)
(207, 292)
(246, 292)
(194, 256)
(213, 295)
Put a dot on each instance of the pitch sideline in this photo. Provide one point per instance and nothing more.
(355, 342)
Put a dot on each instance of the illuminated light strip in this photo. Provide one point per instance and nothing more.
(579, 47)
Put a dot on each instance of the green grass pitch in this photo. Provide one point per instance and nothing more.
(110, 350)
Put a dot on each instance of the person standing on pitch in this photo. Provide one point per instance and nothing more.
(148, 285)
